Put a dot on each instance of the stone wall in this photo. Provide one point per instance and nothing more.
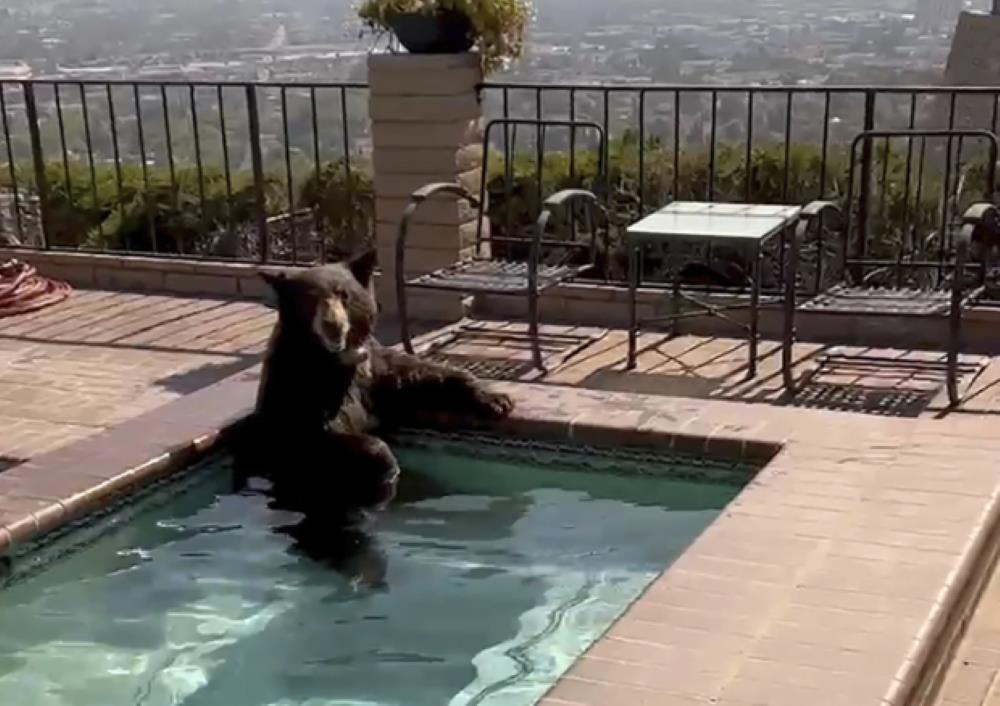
(427, 127)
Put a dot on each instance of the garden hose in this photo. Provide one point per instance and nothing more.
(22, 289)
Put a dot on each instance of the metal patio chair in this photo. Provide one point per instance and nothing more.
(932, 278)
(549, 262)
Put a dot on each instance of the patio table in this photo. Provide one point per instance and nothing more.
(690, 229)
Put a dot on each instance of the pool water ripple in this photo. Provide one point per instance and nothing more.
(480, 586)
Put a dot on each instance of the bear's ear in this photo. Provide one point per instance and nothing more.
(278, 281)
(363, 267)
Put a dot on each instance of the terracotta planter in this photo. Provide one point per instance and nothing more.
(447, 32)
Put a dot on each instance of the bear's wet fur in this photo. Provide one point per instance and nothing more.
(328, 387)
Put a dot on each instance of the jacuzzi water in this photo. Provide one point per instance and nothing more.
(491, 573)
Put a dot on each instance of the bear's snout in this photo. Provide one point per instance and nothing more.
(332, 324)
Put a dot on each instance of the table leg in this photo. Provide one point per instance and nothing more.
(676, 301)
(757, 271)
(790, 283)
(633, 293)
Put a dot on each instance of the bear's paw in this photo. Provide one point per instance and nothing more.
(494, 405)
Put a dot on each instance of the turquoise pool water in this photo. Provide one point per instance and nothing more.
(493, 570)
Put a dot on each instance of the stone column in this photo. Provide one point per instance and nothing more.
(975, 51)
(974, 61)
(427, 126)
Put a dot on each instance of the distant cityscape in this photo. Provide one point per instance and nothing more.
(197, 133)
(684, 41)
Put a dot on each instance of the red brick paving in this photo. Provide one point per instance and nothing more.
(715, 368)
(832, 568)
(100, 358)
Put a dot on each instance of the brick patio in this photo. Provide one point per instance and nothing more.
(838, 568)
(707, 367)
(104, 357)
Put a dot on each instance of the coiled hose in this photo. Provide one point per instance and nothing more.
(22, 289)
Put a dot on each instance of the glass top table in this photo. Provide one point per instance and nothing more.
(731, 222)
(736, 225)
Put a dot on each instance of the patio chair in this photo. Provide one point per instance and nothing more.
(496, 267)
(939, 277)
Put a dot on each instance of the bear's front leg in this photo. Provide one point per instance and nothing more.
(406, 388)
(347, 548)
(334, 475)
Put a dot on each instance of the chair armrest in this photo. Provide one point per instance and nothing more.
(572, 197)
(417, 198)
(443, 187)
(825, 213)
(568, 197)
(983, 214)
(979, 217)
(816, 209)
(982, 219)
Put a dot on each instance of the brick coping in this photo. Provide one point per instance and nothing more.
(840, 575)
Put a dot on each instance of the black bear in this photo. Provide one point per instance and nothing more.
(327, 386)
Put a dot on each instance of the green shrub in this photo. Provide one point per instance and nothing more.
(185, 214)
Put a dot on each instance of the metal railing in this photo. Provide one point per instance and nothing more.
(276, 172)
(755, 144)
(199, 169)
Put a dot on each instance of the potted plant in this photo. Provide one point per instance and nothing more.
(496, 28)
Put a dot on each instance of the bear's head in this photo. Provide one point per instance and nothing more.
(331, 306)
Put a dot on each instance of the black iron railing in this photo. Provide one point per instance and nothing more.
(760, 144)
(245, 171)
(277, 172)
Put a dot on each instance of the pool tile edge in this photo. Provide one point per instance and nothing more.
(76, 480)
